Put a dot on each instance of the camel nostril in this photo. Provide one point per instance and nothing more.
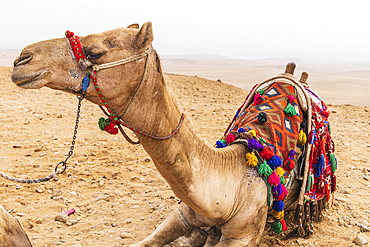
(22, 59)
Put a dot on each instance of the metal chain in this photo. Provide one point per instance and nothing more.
(55, 173)
(70, 153)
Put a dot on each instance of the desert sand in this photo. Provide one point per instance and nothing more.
(118, 194)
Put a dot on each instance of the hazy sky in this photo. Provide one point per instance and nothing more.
(317, 31)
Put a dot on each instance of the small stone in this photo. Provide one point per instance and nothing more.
(135, 207)
(364, 170)
(71, 222)
(101, 183)
(62, 217)
(20, 214)
(38, 190)
(59, 115)
(360, 240)
(344, 192)
(73, 193)
(112, 213)
(128, 221)
(38, 221)
(38, 149)
(118, 193)
(363, 222)
(126, 235)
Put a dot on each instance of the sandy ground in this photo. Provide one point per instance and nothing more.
(114, 186)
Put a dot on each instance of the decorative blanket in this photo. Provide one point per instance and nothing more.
(273, 123)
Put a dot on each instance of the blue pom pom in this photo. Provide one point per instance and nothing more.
(219, 144)
(320, 166)
(278, 206)
(274, 162)
(241, 130)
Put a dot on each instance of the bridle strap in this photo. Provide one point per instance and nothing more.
(97, 67)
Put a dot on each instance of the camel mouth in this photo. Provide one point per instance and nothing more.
(25, 80)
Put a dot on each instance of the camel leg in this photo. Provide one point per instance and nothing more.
(170, 229)
(214, 235)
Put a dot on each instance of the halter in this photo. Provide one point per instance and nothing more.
(109, 124)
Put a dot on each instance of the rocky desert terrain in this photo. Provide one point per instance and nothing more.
(118, 194)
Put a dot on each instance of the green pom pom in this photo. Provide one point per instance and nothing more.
(261, 91)
(277, 227)
(223, 141)
(264, 169)
(333, 162)
(329, 129)
(262, 140)
(103, 122)
(282, 180)
(290, 110)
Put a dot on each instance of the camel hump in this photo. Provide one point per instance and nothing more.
(145, 36)
(134, 26)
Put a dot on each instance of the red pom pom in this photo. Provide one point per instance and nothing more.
(267, 153)
(69, 34)
(289, 164)
(291, 98)
(283, 224)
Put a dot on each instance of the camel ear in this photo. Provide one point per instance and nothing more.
(134, 26)
(145, 36)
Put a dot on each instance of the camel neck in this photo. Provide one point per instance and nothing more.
(183, 157)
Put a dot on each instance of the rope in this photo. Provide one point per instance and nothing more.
(30, 181)
(97, 67)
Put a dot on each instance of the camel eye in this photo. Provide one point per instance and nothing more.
(95, 55)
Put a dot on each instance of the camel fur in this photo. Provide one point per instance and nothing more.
(215, 186)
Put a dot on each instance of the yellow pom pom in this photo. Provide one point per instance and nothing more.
(253, 133)
(279, 171)
(277, 215)
(251, 159)
(302, 138)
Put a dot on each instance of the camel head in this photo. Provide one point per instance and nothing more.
(51, 63)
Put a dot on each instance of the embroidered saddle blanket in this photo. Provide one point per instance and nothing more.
(274, 122)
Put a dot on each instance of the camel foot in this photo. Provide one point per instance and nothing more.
(195, 238)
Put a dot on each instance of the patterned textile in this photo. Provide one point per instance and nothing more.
(280, 131)
(273, 125)
(322, 162)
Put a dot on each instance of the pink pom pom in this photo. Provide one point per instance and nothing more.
(291, 98)
(230, 138)
(257, 99)
(274, 179)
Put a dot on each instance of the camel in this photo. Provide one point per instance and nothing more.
(11, 231)
(215, 186)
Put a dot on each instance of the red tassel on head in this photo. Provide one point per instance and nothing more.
(267, 153)
(283, 224)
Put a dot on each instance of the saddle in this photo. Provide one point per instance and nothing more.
(284, 123)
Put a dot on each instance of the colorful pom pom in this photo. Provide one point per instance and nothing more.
(258, 99)
(274, 179)
(290, 110)
(280, 172)
(262, 117)
(289, 164)
(274, 162)
(333, 162)
(241, 130)
(251, 159)
(253, 133)
(253, 144)
(277, 227)
(264, 169)
(278, 206)
(277, 215)
(302, 138)
(229, 138)
(266, 153)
